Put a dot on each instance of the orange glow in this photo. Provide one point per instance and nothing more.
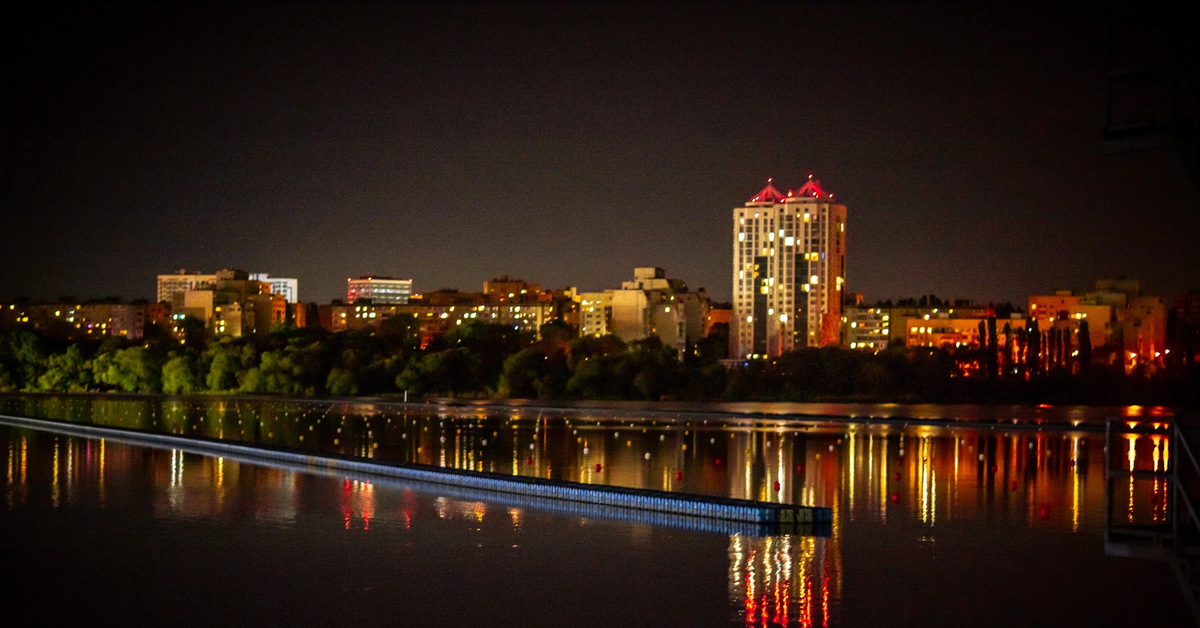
(825, 601)
(1132, 438)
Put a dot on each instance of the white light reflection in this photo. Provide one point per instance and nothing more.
(850, 441)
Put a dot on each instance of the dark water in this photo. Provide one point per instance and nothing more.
(925, 532)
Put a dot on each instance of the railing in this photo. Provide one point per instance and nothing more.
(695, 511)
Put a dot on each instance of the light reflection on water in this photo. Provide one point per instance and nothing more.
(918, 486)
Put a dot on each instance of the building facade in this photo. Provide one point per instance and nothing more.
(866, 328)
(172, 287)
(595, 313)
(379, 290)
(287, 287)
(650, 305)
(1132, 325)
(789, 260)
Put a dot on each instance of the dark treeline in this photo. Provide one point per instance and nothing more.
(482, 360)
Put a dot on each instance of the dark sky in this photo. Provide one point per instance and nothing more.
(566, 144)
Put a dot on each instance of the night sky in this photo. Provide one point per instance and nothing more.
(567, 144)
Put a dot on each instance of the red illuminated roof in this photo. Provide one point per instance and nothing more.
(768, 195)
(812, 188)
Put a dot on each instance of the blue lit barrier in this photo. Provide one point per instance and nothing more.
(599, 500)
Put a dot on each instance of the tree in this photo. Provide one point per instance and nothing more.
(558, 333)
(341, 383)
(66, 372)
(440, 372)
(1085, 347)
(28, 358)
(133, 369)
(224, 362)
(276, 372)
(486, 346)
(993, 344)
(534, 372)
(179, 375)
(1034, 348)
(402, 330)
(595, 346)
(1006, 359)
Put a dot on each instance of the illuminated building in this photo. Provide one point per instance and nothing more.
(1065, 310)
(256, 300)
(718, 314)
(288, 288)
(218, 299)
(789, 258)
(378, 290)
(649, 305)
(1118, 316)
(955, 332)
(74, 321)
(595, 312)
(434, 319)
(866, 328)
(504, 289)
(124, 320)
(171, 287)
(900, 316)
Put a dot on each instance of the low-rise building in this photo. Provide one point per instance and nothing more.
(649, 305)
(1119, 317)
(866, 328)
(75, 321)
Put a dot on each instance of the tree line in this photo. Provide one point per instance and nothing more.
(486, 360)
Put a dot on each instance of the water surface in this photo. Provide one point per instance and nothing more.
(924, 532)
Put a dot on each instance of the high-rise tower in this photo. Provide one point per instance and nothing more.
(789, 261)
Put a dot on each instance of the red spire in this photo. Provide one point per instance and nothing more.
(812, 188)
(768, 195)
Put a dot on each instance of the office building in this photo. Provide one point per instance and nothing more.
(378, 290)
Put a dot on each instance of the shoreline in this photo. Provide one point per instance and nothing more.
(958, 415)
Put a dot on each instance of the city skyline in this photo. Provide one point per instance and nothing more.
(567, 144)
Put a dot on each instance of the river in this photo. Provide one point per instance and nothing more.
(989, 517)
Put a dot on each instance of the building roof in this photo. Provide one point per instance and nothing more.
(812, 188)
(768, 195)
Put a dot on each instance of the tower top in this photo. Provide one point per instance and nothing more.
(812, 188)
(768, 195)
